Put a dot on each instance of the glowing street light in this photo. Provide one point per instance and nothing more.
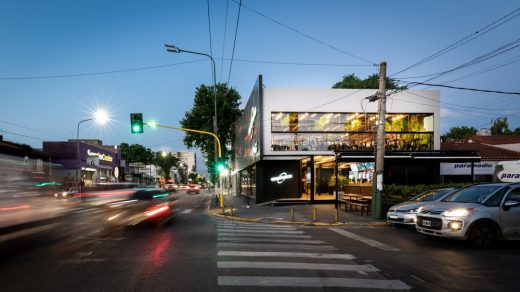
(101, 117)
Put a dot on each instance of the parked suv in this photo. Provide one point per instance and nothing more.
(480, 213)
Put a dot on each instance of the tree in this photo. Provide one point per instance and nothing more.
(463, 132)
(200, 117)
(183, 173)
(166, 161)
(351, 81)
(500, 127)
(136, 153)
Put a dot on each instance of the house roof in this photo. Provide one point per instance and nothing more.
(497, 140)
(487, 152)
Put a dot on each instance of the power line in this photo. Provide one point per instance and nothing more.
(98, 73)
(224, 40)
(298, 64)
(182, 63)
(31, 129)
(306, 35)
(468, 38)
(461, 88)
(234, 41)
(31, 137)
(209, 28)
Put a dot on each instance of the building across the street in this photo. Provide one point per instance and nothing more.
(492, 149)
(85, 160)
(188, 158)
(289, 142)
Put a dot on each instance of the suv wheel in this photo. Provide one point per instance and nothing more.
(483, 235)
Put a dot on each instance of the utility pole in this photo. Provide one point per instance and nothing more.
(377, 188)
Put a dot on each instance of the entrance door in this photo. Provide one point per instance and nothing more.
(324, 178)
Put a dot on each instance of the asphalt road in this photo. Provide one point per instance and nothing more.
(196, 252)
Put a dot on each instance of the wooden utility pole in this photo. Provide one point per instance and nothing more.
(377, 188)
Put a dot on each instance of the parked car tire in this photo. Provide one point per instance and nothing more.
(483, 235)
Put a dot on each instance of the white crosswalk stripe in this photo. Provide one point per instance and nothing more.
(273, 245)
(249, 253)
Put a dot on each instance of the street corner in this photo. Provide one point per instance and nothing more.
(218, 214)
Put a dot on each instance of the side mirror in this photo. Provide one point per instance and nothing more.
(509, 204)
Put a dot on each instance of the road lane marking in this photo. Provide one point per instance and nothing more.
(263, 231)
(231, 234)
(247, 239)
(365, 240)
(286, 254)
(311, 282)
(254, 225)
(361, 269)
(274, 245)
(187, 211)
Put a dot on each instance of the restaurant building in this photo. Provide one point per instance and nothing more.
(85, 160)
(288, 142)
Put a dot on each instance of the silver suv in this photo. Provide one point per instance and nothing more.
(480, 213)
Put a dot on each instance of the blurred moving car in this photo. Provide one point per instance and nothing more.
(480, 213)
(193, 189)
(67, 194)
(144, 205)
(404, 213)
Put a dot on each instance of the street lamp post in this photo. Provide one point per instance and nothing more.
(100, 116)
(174, 49)
(78, 169)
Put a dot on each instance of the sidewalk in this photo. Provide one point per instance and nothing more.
(236, 208)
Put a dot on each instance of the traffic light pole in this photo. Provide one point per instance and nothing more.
(155, 125)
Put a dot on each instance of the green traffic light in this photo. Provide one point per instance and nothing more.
(136, 123)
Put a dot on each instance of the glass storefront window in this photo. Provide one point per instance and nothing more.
(349, 131)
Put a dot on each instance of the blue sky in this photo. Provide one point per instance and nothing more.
(60, 60)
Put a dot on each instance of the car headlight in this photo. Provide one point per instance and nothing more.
(64, 194)
(458, 212)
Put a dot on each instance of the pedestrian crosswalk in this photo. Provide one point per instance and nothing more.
(264, 255)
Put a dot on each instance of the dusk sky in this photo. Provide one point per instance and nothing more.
(61, 60)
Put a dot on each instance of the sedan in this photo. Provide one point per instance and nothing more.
(193, 189)
(143, 205)
(405, 213)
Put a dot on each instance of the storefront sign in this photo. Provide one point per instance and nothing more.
(281, 178)
(479, 168)
(509, 175)
(101, 156)
(252, 121)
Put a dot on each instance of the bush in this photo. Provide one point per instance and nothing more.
(393, 194)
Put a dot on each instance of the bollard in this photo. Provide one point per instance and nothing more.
(231, 210)
(314, 215)
(292, 215)
(337, 215)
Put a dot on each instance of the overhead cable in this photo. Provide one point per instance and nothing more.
(305, 35)
(502, 20)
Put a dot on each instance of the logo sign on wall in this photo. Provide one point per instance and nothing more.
(509, 175)
(281, 178)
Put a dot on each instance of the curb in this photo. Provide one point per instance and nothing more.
(303, 223)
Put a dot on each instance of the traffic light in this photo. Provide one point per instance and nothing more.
(136, 123)
(220, 166)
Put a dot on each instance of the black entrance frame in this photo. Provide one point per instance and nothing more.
(407, 159)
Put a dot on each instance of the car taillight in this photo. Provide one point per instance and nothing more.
(157, 210)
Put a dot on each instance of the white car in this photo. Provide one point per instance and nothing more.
(404, 213)
(66, 194)
(480, 213)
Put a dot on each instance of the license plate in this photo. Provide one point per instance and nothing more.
(426, 223)
(393, 217)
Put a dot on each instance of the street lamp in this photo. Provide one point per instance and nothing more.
(174, 49)
(101, 117)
